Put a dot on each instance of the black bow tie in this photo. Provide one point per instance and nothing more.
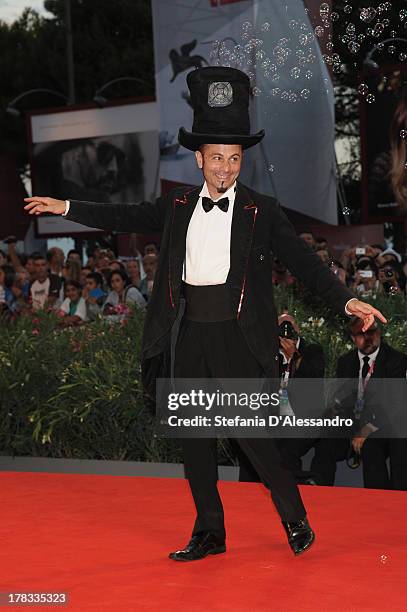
(208, 204)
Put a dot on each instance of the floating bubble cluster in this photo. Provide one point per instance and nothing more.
(281, 67)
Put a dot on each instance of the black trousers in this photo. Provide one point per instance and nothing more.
(219, 350)
(375, 452)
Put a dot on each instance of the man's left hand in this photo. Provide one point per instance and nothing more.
(366, 312)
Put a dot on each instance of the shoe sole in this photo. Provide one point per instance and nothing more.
(215, 551)
(307, 547)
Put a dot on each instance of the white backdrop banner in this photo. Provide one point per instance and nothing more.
(276, 45)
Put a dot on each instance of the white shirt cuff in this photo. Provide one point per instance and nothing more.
(346, 306)
(67, 204)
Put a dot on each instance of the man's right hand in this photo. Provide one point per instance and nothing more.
(38, 205)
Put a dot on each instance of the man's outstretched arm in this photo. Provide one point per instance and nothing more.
(143, 217)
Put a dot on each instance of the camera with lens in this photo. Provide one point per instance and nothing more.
(287, 331)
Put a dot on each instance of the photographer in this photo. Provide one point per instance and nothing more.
(391, 278)
(298, 359)
(365, 282)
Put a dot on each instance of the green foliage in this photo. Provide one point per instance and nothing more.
(76, 392)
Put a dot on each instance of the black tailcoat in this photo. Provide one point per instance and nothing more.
(259, 229)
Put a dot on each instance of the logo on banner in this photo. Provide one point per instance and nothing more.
(220, 94)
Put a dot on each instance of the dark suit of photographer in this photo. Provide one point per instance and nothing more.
(382, 407)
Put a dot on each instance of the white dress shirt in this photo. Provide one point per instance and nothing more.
(207, 256)
(372, 358)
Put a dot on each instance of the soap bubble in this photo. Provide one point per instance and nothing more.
(403, 57)
(403, 14)
(370, 98)
(265, 27)
(391, 49)
(305, 93)
(324, 10)
(403, 134)
(353, 46)
(363, 89)
(334, 16)
(319, 31)
(308, 74)
(392, 291)
(270, 168)
(367, 14)
(346, 210)
(293, 24)
(350, 28)
(276, 91)
(246, 25)
(256, 91)
(295, 72)
(347, 8)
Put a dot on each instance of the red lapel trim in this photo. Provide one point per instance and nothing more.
(250, 206)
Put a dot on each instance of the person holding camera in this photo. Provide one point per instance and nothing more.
(365, 281)
(391, 278)
(297, 359)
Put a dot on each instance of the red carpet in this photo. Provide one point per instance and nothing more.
(105, 540)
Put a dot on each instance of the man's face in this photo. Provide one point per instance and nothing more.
(150, 266)
(367, 342)
(323, 255)
(74, 257)
(220, 165)
(308, 239)
(30, 266)
(41, 269)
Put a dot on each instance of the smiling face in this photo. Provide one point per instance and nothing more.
(72, 292)
(220, 165)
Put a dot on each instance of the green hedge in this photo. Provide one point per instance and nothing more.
(76, 393)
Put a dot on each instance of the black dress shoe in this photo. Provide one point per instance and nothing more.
(300, 535)
(200, 546)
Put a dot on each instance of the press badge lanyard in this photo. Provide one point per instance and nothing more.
(361, 390)
(283, 392)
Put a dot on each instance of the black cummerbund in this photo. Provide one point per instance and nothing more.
(207, 303)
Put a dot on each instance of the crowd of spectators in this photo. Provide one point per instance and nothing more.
(104, 286)
(366, 269)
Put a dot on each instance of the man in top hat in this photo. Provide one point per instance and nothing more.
(213, 286)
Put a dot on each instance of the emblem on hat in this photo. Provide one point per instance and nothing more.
(220, 94)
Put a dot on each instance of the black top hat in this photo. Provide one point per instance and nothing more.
(220, 100)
